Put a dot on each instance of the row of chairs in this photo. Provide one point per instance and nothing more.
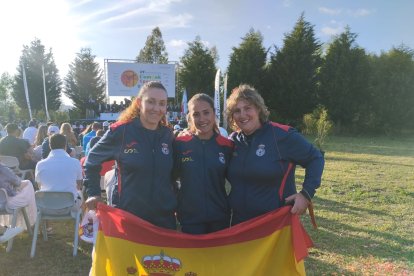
(50, 206)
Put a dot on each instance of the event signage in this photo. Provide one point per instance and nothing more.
(126, 78)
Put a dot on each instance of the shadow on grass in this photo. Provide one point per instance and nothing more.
(316, 266)
(350, 241)
(53, 257)
(338, 207)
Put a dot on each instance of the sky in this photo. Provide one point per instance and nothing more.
(118, 29)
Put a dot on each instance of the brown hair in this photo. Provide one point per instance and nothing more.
(205, 98)
(132, 111)
(249, 94)
(57, 141)
(40, 135)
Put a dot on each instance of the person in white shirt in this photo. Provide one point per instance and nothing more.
(60, 172)
(30, 132)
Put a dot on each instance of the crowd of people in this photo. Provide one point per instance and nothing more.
(48, 151)
(258, 160)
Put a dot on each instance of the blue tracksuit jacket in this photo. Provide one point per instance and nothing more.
(262, 169)
(145, 162)
(201, 166)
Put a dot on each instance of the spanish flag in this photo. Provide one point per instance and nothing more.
(273, 244)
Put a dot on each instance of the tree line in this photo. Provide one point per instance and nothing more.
(361, 92)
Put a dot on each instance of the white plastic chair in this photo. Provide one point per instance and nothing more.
(12, 212)
(13, 163)
(55, 206)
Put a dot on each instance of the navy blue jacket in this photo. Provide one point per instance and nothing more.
(145, 162)
(262, 169)
(201, 166)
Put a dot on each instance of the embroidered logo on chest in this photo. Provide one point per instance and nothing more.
(165, 149)
(221, 158)
(260, 150)
(130, 148)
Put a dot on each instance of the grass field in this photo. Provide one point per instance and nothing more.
(364, 210)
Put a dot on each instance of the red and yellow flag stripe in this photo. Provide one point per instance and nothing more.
(272, 244)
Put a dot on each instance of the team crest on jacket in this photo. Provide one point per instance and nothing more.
(165, 149)
(260, 150)
(221, 158)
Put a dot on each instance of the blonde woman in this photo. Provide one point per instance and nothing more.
(67, 131)
(141, 144)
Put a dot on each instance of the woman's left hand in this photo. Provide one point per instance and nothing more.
(300, 203)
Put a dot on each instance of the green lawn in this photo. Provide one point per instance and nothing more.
(364, 211)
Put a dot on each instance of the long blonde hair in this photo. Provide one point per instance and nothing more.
(66, 129)
(205, 98)
(133, 110)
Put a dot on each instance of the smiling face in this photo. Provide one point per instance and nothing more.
(153, 107)
(202, 119)
(246, 117)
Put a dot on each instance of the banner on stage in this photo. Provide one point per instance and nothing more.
(127, 78)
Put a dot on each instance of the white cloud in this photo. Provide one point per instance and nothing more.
(329, 11)
(175, 48)
(360, 12)
(178, 21)
(151, 9)
(177, 43)
(164, 22)
(330, 31)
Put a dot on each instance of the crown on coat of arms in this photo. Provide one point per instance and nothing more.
(161, 265)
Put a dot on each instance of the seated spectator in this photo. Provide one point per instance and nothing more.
(51, 130)
(11, 145)
(60, 172)
(30, 132)
(21, 194)
(66, 129)
(89, 146)
(40, 137)
(95, 127)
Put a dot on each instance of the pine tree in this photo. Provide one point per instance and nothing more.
(154, 49)
(293, 73)
(84, 83)
(344, 82)
(392, 89)
(197, 69)
(247, 62)
(33, 58)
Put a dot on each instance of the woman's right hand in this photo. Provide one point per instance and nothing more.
(92, 201)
